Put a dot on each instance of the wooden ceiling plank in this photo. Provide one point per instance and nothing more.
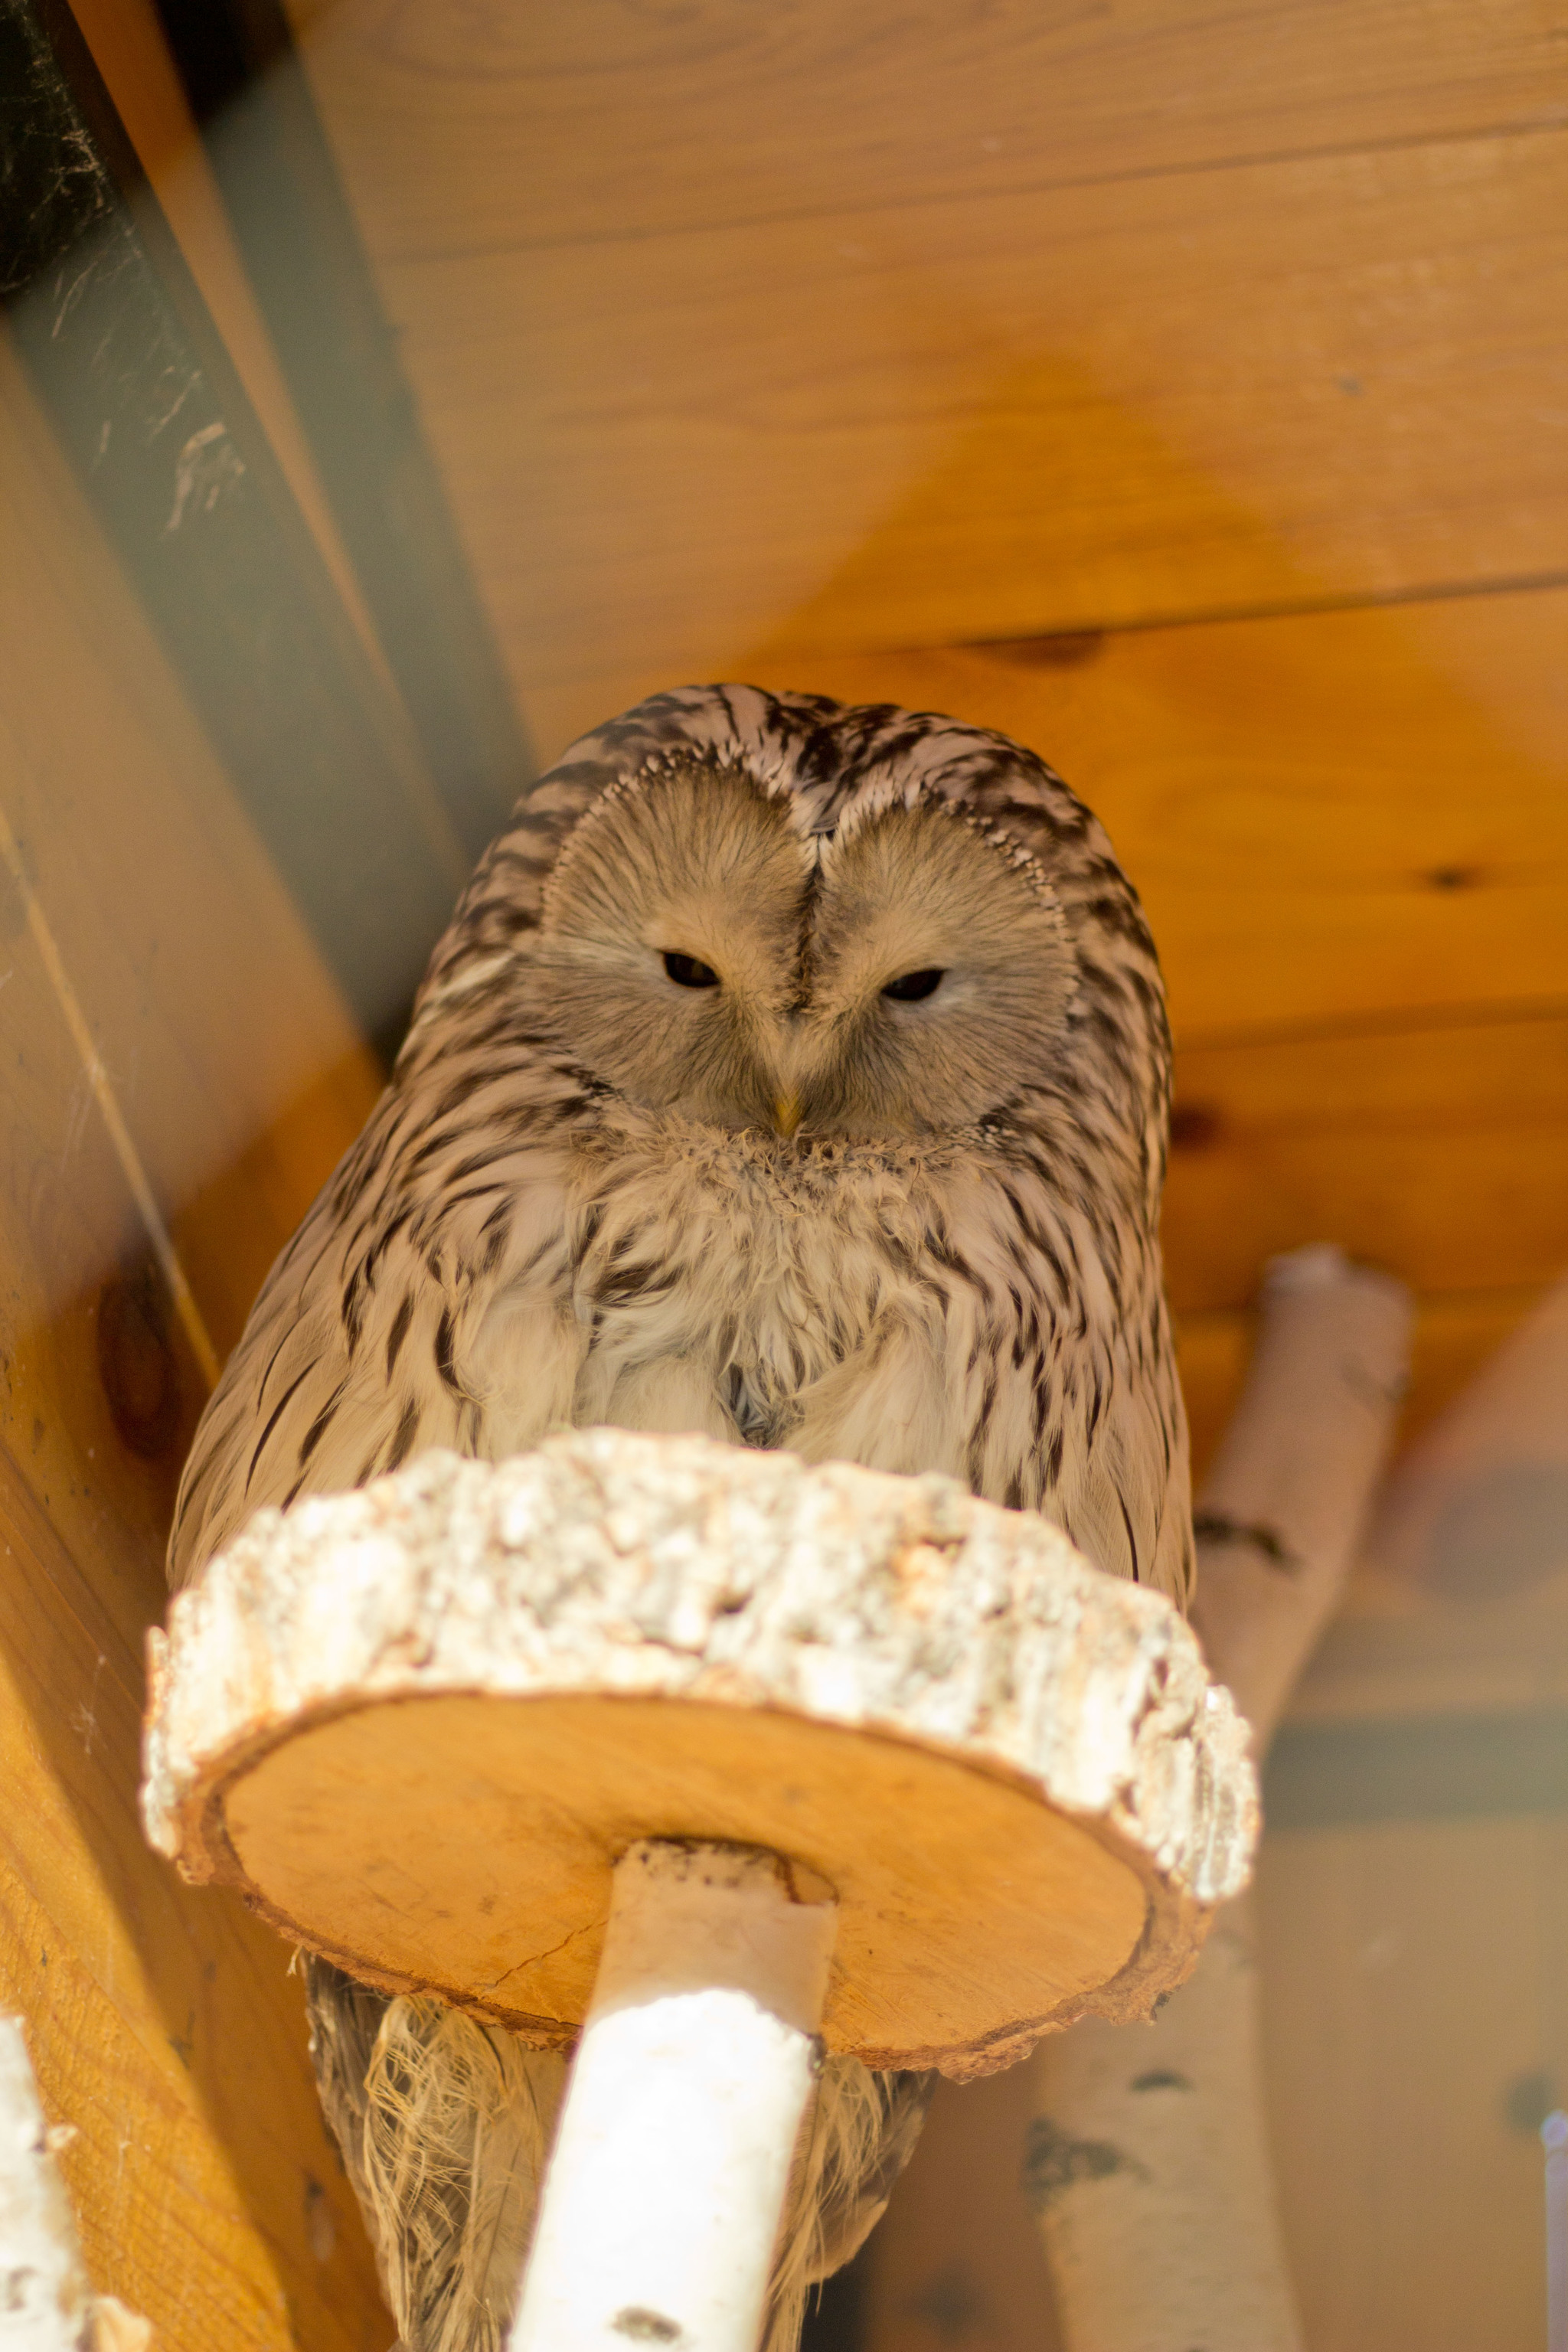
(479, 127)
(1431, 1081)
(1268, 387)
(1466, 1206)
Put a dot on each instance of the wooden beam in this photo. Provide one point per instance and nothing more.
(238, 1066)
(162, 2024)
(163, 440)
(301, 247)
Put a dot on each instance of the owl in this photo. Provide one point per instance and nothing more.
(793, 1073)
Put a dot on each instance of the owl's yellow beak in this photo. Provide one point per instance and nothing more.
(786, 1113)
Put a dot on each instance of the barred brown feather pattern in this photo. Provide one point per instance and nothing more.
(777, 1204)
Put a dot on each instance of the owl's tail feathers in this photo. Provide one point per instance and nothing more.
(858, 2137)
(445, 2125)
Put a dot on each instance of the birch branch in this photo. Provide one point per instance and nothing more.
(45, 2301)
(1149, 2162)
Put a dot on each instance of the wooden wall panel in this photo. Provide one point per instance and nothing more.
(478, 125)
(171, 1050)
(787, 350)
(1410, 1982)
(129, 52)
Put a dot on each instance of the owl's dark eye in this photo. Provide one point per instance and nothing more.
(687, 973)
(910, 986)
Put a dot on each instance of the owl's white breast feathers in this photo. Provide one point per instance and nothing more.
(907, 1308)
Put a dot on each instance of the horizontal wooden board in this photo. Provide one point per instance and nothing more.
(1439, 1153)
(1448, 1663)
(472, 125)
(1335, 379)
(1469, 1763)
(1328, 814)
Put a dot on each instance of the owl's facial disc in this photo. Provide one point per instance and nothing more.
(940, 979)
(668, 954)
(703, 958)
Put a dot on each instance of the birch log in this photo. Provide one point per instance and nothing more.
(1147, 2161)
(46, 2305)
(686, 2093)
(415, 1724)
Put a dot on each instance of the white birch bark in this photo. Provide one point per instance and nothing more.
(415, 1724)
(1148, 2160)
(666, 2182)
(46, 2305)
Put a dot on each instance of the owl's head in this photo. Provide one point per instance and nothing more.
(771, 911)
(902, 975)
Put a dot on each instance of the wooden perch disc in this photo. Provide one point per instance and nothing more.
(416, 1726)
